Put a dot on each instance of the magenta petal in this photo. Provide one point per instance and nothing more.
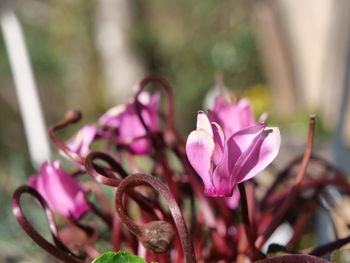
(232, 117)
(219, 141)
(153, 109)
(81, 142)
(233, 201)
(112, 117)
(222, 173)
(203, 123)
(199, 149)
(140, 146)
(264, 152)
(259, 148)
(130, 124)
(247, 117)
(62, 192)
(244, 137)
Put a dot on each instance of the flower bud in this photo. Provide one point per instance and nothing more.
(157, 236)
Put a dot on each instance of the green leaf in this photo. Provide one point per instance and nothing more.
(119, 257)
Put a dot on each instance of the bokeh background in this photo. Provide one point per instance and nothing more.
(290, 57)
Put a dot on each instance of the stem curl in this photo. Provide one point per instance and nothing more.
(141, 178)
(59, 250)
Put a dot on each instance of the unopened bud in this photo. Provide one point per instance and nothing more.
(157, 236)
(73, 115)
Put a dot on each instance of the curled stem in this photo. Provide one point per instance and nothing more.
(113, 176)
(59, 250)
(282, 211)
(170, 99)
(72, 116)
(140, 178)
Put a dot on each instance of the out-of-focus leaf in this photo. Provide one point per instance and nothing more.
(341, 256)
(275, 250)
(119, 257)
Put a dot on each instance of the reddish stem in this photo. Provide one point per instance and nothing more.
(72, 116)
(170, 99)
(282, 211)
(140, 178)
(247, 223)
(59, 251)
(293, 259)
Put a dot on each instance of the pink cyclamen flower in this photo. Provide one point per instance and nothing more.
(62, 192)
(130, 129)
(233, 117)
(223, 162)
(80, 143)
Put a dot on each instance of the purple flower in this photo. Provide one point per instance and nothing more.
(130, 129)
(62, 192)
(223, 162)
(80, 143)
(233, 117)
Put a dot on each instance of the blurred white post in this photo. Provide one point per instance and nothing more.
(121, 66)
(27, 95)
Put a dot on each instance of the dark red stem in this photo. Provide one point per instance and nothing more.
(59, 251)
(170, 99)
(247, 222)
(293, 259)
(72, 116)
(140, 178)
(282, 211)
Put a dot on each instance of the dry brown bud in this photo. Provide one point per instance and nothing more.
(157, 236)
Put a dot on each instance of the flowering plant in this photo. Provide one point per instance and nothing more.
(176, 218)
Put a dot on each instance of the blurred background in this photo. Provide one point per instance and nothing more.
(290, 57)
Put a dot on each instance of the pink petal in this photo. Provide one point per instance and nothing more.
(60, 190)
(263, 154)
(221, 175)
(111, 117)
(81, 142)
(140, 146)
(199, 149)
(219, 139)
(244, 137)
(233, 201)
(247, 117)
(256, 154)
(204, 123)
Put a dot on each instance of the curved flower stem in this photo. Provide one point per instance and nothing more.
(59, 251)
(283, 175)
(327, 248)
(281, 212)
(247, 223)
(72, 116)
(102, 175)
(140, 178)
(340, 183)
(293, 259)
(170, 99)
(110, 178)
